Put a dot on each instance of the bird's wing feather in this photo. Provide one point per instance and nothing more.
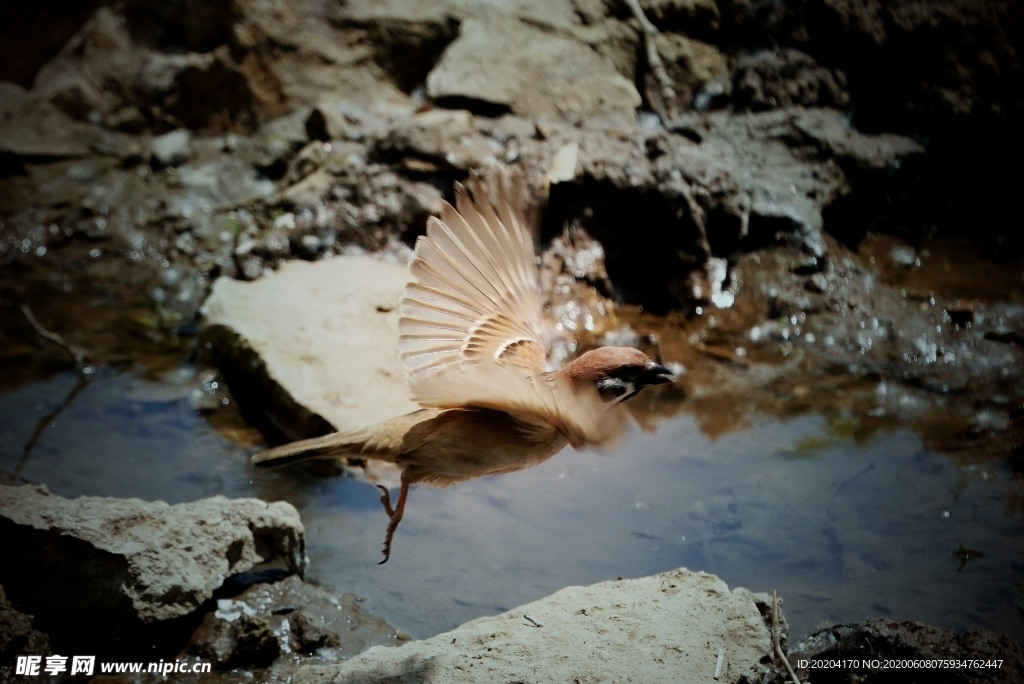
(475, 296)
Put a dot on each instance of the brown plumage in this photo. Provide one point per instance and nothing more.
(473, 343)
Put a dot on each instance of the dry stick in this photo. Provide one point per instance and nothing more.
(47, 420)
(84, 376)
(775, 637)
(77, 353)
(668, 91)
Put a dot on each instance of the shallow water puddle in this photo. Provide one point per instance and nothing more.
(842, 530)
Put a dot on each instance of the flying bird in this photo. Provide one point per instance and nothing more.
(473, 344)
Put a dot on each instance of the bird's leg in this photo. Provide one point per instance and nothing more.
(385, 498)
(395, 515)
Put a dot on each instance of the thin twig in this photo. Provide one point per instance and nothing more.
(76, 352)
(85, 374)
(46, 421)
(775, 637)
(668, 91)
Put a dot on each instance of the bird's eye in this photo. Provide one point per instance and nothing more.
(611, 387)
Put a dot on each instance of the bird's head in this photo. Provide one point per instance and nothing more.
(617, 373)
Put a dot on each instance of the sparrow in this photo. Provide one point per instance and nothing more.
(473, 343)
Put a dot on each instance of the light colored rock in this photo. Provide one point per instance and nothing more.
(504, 61)
(133, 561)
(172, 149)
(665, 628)
(560, 14)
(317, 341)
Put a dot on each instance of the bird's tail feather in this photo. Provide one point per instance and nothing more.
(334, 445)
(382, 441)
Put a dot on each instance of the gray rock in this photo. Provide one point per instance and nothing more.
(287, 617)
(310, 341)
(172, 149)
(30, 126)
(95, 69)
(664, 628)
(441, 137)
(504, 61)
(129, 561)
(751, 162)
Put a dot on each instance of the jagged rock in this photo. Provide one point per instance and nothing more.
(505, 62)
(95, 71)
(102, 70)
(306, 343)
(217, 95)
(439, 138)
(664, 628)
(286, 618)
(128, 561)
(753, 156)
(33, 127)
(560, 14)
(158, 73)
(715, 180)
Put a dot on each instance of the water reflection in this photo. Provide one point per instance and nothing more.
(842, 525)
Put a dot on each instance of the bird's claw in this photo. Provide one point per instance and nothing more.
(394, 515)
(385, 498)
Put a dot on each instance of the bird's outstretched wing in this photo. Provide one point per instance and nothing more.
(475, 297)
(471, 333)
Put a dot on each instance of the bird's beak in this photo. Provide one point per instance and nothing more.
(654, 374)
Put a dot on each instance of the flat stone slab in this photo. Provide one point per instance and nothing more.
(664, 628)
(504, 61)
(314, 347)
(129, 561)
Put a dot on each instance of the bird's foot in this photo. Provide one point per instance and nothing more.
(385, 498)
(395, 516)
